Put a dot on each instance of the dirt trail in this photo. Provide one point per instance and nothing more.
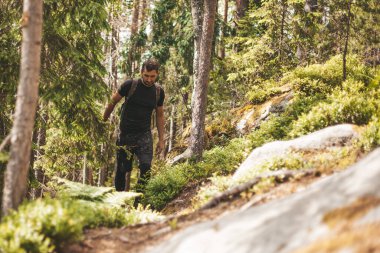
(141, 237)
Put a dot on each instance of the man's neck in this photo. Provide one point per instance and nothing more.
(142, 80)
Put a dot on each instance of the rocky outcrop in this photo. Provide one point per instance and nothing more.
(339, 213)
(253, 118)
(333, 136)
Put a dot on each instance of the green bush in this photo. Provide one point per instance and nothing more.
(329, 74)
(41, 225)
(260, 94)
(351, 104)
(370, 138)
(169, 182)
(45, 225)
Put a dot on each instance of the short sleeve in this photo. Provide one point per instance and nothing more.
(162, 98)
(124, 88)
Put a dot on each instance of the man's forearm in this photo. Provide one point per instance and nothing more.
(161, 127)
(108, 111)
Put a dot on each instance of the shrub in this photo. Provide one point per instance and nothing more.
(169, 182)
(347, 105)
(260, 94)
(330, 73)
(45, 225)
(166, 185)
(370, 137)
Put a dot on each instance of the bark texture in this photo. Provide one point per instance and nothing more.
(241, 8)
(26, 103)
(202, 71)
(311, 5)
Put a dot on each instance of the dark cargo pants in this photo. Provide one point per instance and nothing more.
(141, 145)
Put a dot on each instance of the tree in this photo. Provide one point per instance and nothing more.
(241, 8)
(204, 21)
(15, 184)
(347, 37)
(222, 49)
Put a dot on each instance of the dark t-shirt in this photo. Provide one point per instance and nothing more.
(138, 111)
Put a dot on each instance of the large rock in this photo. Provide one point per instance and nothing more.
(333, 136)
(253, 118)
(296, 221)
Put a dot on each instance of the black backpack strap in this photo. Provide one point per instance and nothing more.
(131, 90)
(129, 95)
(158, 93)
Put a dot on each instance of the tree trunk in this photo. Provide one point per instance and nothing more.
(284, 4)
(222, 49)
(143, 12)
(114, 54)
(202, 68)
(87, 172)
(27, 96)
(103, 170)
(241, 8)
(134, 30)
(347, 37)
(135, 17)
(172, 128)
(41, 141)
(311, 5)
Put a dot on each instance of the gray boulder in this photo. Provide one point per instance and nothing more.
(291, 223)
(333, 136)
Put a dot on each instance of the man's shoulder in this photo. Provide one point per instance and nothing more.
(158, 86)
(125, 87)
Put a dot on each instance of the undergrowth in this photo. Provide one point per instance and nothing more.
(45, 225)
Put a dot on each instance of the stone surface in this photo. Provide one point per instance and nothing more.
(274, 106)
(287, 224)
(333, 136)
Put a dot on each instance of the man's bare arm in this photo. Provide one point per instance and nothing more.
(161, 128)
(116, 97)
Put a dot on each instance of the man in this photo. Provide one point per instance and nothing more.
(135, 137)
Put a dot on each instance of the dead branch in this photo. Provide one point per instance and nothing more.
(235, 191)
(6, 142)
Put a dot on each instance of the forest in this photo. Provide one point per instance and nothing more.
(263, 98)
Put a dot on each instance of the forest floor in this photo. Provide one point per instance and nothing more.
(141, 237)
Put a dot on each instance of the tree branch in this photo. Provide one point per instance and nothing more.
(235, 191)
(6, 142)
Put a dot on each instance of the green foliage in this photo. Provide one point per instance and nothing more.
(38, 226)
(170, 181)
(348, 105)
(325, 77)
(46, 224)
(221, 160)
(262, 93)
(370, 138)
(208, 190)
(166, 185)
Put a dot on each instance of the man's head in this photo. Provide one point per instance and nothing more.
(149, 71)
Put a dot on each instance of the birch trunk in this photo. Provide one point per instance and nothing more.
(15, 184)
(172, 128)
(41, 141)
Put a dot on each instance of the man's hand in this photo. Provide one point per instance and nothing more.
(109, 108)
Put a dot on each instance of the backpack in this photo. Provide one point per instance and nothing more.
(131, 92)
